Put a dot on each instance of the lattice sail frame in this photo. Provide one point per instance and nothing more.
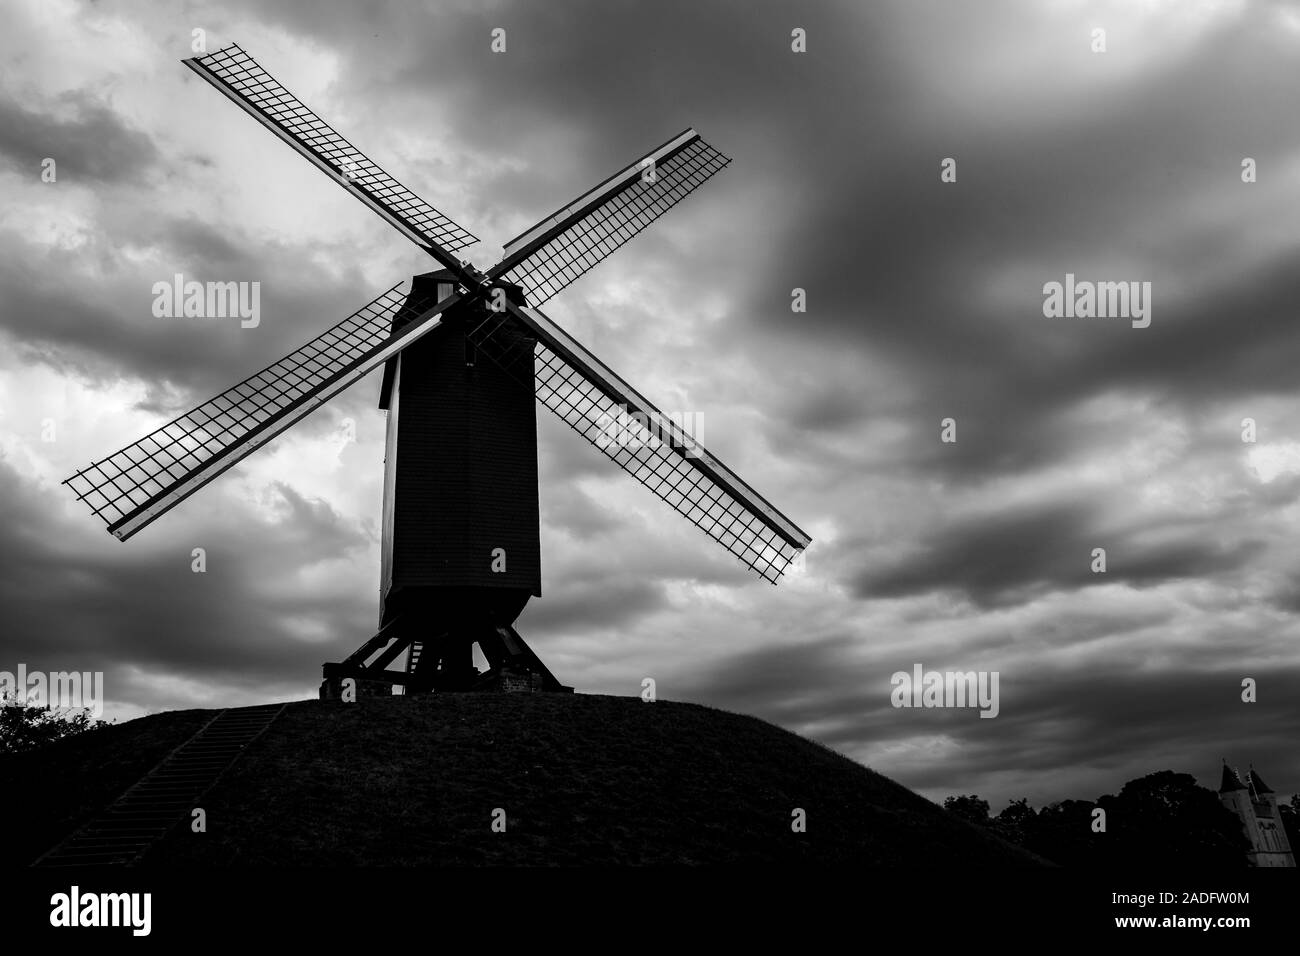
(599, 405)
(242, 79)
(657, 465)
(572, 241)
(136, 485)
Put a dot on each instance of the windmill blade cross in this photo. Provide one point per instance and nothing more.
(465, 432)
(137, 484)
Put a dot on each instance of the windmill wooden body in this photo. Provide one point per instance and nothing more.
(466, 356)
(461, 529)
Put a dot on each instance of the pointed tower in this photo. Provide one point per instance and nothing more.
(1256, 806)
(1230, 782)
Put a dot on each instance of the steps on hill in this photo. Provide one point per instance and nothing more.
(120, 834)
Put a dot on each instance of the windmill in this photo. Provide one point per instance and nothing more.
(465, 355)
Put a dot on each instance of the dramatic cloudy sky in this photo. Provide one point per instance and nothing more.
(924, 302)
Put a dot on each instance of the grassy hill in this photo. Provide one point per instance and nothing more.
(582, 779)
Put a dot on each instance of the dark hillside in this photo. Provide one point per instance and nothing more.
(582, 779)
(47, 793)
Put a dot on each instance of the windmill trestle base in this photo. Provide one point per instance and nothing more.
(442, 664)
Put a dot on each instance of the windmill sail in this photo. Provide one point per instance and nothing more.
(243, 80)
(632, 432)
(137, 484)
(575, 238)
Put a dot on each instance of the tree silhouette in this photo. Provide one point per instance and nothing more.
(1015, 821)
(971, 809)
(1168, 818)
(23, 727)
(1063, 833)
(1161, 818)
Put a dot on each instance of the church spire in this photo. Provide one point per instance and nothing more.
(1259, 785)
(1230, 780)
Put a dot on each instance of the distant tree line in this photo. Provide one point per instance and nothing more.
(1164, 817)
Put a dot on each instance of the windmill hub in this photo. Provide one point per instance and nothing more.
(461, 553)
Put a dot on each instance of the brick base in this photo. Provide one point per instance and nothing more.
(517, 682)
(332, 688)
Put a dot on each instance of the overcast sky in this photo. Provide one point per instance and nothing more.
(924, 301)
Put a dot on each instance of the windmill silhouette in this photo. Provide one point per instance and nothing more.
(465, 354)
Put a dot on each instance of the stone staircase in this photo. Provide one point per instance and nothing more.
(122, 833)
